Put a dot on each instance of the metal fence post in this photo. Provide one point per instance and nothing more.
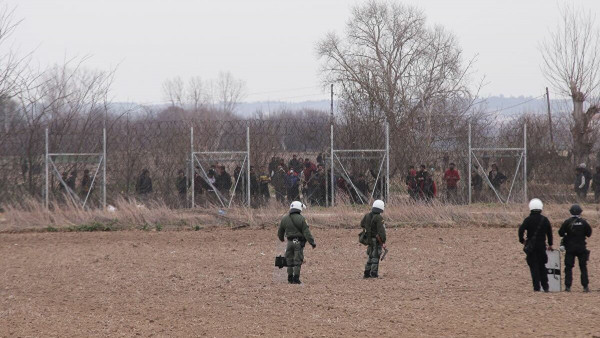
(248, 199)
(46, 189)
(525, 161)
(332, 179)
(387, 161)
(104, 159)
(192, 171)
(470, 168)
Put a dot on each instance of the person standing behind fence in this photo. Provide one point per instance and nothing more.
(426, 184)
(476, 184)
(582, 181)
(320, 159)
(538, 228)
(143, 186)
(85, 184)
(317, 187)
(292, 184)
(279, 184)
(411, 183)
(182, 186)
(223, 182)
(294, 163)
(574, 231)
(421, 176)
(263, 188)
(64, 177)
(72, 180)
(596, 185)
(451, 177)
(496, 177)
(272, 166)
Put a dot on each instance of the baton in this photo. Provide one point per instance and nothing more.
(385, 251)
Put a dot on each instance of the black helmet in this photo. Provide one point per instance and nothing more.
(575, 209)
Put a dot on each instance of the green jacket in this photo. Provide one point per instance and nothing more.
(296, 228)
(374, 225)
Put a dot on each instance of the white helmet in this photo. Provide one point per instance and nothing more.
(536, 204)
(296, 205)
(379, 205)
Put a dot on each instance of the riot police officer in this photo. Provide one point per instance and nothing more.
(293, 227)
(538, 228)
(374, 227)
(574, 232)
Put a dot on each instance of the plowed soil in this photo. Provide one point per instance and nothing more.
(221, 282)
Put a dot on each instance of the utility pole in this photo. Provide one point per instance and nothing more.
(550, 121)
(332, 190)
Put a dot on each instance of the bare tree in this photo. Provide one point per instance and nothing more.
(571, 57)
(229, 91)
(196, 93)
(174, 91)
(390, 65)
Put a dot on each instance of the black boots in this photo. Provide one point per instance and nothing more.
(367, 274)
(290, 279)
(297, 280)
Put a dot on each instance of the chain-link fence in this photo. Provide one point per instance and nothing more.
(291, 158)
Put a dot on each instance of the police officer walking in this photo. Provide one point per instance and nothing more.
(574, 231)
(538, 228)
(293, 227)
(374, 227)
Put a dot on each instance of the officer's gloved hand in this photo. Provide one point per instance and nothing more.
(314, 245)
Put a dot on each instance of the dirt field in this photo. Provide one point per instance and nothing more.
(219, 282)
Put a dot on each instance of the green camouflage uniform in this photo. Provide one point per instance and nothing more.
(374, 225)
(295, 229)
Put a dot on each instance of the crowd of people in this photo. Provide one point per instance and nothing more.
(69, 181)
(421, 185)
(286, 181)
(303, 179)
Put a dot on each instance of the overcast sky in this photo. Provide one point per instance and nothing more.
(270, 44)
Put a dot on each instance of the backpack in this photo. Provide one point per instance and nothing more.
(362, 236)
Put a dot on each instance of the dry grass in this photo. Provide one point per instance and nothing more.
(32, 216)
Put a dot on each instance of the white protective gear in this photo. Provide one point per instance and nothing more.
(536, 204)
(297, 205)
(379, 204)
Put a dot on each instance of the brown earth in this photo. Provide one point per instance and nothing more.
(221, 282)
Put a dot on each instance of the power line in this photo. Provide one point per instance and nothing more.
(282, 90)
(516, 105)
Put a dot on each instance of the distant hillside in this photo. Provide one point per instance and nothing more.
(506, 105)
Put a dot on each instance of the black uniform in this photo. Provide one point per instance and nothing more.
(596, 186)
(575, 230)
(144, 183)
(582, 182)
(538, 226)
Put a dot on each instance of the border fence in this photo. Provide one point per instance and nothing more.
(253, 162)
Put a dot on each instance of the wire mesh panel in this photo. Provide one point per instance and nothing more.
(499, 161)
(359, 162)
(144, 158)
(74, 171)
(290, 157)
